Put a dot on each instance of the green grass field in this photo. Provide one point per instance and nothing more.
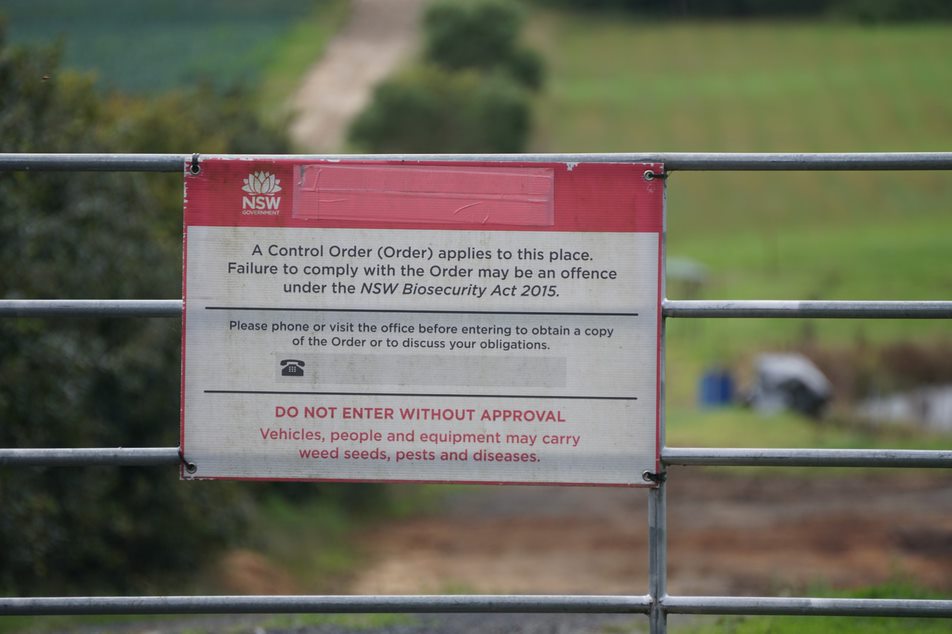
(620, 83)
(152, 47)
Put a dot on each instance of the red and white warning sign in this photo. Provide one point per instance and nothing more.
(422, 321)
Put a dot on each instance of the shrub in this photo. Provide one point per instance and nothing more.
(428, 109)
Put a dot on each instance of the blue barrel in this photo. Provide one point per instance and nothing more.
(716, 388)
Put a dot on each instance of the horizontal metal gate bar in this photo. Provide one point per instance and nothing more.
(90, 308)
(525, 604)
(91, 457)
(670, 308)
(684, 161)
(576, 604)
(838, 309)
(722, 457)
(93, 162)
(673, 456)
(807, 606)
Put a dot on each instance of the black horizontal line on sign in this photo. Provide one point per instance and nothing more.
(438, 312)
(536, 396)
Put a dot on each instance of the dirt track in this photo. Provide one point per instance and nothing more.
(378, 36)
(729, 534)
(742, 534)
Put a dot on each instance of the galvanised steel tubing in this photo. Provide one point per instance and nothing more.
(684, 161)
(93, 162)
(672, 456)
(577, 604)
(658, 496)
(657, 557)
(90, 308)
(799, 309)
(725, 161)
(808, 606)
(695, 161)
(90, 457)
(670, 308)
(723, 457)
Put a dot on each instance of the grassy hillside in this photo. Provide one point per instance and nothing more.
(151, 47)
(619, 83)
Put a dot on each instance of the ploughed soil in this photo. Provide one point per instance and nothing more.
(750, 533)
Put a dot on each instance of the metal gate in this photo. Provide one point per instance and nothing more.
(656, 603)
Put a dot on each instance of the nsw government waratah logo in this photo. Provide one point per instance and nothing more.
(262, 194)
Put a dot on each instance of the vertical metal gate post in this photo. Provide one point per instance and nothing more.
(657, 495)
(658, 557)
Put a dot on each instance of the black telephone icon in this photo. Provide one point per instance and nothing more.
(292, 367)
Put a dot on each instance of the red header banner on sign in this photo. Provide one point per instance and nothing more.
(407, 195)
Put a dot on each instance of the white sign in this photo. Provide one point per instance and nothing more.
(445, 323)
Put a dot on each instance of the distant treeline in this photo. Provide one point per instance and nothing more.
(860, 10)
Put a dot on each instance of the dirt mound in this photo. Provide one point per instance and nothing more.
(247, 572)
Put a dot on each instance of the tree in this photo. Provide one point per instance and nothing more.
(481, 35)
(99, 382)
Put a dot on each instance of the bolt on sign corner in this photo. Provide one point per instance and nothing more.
(481, 322)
